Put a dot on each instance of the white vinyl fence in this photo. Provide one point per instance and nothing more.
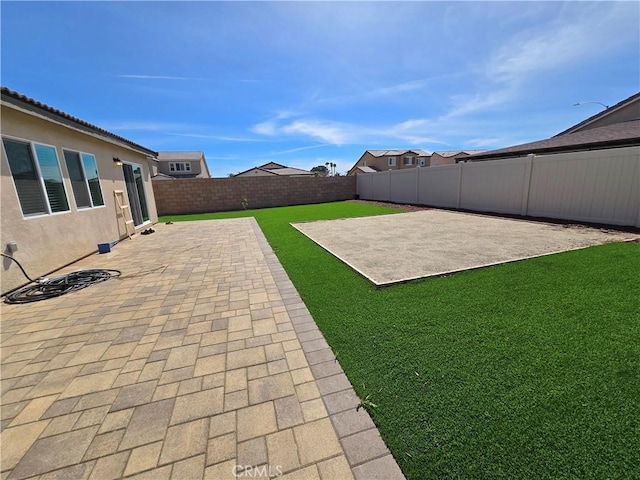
(600, 186)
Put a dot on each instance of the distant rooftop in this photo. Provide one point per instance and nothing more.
(453, 153)
(616, 135)
(274, 168)
(195, 156)
(398, 152)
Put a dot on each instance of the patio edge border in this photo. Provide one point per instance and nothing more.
(366, 452)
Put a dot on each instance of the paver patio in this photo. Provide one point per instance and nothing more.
(200, 361)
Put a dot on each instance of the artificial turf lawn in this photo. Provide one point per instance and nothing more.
(523, 370)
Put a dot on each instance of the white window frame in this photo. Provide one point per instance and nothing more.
(391, 161)
(144, 190)
(43, 188)
(178, 167)
(86, 181)
(408, 160)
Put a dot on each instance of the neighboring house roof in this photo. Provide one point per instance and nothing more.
(29, 104)
(289, 171)
(273, 168)
(397, 152)
(622, 134)
(601, 115)
(458, 152)
(366, 169)
(188, 156)
(162, 176)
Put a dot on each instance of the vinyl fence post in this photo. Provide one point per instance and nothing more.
(526, 185)
(461, 164)
(417, 185)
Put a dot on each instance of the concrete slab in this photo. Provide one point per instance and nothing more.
(388, 249)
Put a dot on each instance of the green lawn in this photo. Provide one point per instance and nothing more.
(523, 370)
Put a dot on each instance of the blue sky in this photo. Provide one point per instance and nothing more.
(304, 83)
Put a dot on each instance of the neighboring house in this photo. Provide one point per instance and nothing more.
(380, 160)
(274, 169)
(615, 127)
(60, 179)
(358, 169)
(449, 158)
(181, 165)
(624, 111)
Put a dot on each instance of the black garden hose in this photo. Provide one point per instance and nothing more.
(43, 289)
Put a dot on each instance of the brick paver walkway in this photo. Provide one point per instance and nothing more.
(200, 361)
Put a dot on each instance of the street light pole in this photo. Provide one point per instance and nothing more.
(598, 103)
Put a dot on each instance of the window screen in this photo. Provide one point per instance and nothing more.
(91, 171)
(50, 171)
(25, 177)
(78, 182)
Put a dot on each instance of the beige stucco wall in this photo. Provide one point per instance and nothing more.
(437, 160)
(48, 242)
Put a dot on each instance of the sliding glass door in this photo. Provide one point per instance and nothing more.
(135, 192)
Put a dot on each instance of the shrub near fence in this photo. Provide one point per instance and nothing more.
(204, 195)
(600, 186)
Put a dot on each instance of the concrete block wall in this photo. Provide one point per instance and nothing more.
(203, 195)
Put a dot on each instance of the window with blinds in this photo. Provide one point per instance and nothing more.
(85, 181)
(37, 177)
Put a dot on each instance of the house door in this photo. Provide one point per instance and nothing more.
(135, 192)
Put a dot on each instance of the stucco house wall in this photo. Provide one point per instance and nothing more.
(50, 241)
(381, 162)
(196, 161)
(437, 160)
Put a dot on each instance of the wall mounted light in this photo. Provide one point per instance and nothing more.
(117, 162)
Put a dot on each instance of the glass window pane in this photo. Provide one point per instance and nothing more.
(91, 170)
(50, 170)
(78, 183)
(137, 172)
(25, 177)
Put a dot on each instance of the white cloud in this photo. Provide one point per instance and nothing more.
(413, 131)
(299, 149)
(326, 131)
(478, 102)
(223, 138)
(575, 36)
(157, 77)
(265, 128)
(145, 126)
(486, 142)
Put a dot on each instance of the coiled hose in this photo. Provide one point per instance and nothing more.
(57, 286)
